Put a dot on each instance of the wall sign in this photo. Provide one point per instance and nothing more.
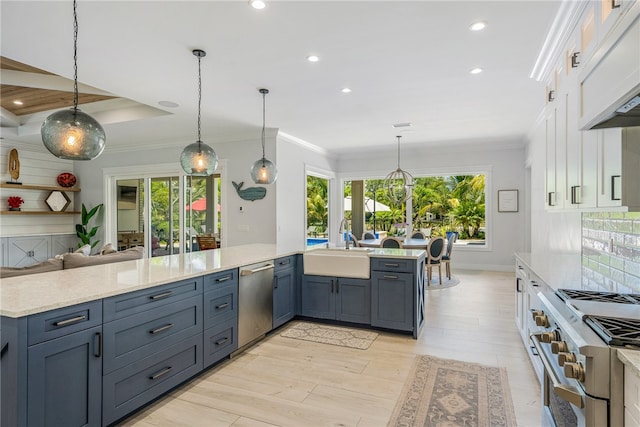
(251, 193)
(507, 200)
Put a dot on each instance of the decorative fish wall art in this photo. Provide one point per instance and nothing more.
(251, 193)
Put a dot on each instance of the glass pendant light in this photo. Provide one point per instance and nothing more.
(263, 171)
(72, 134)
(198, 159)
(399, 182)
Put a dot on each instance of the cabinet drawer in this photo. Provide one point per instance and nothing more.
(64, 321)
(134, 337)
(220, 341)
(127, 389)
(284, 263)
(213, 281)
(221, 305)
(136, 302)
(392, 264)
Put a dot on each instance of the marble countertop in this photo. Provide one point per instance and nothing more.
(631, 360)
(556, 270)
(36, 293)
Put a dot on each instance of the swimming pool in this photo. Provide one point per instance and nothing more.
(316, 241)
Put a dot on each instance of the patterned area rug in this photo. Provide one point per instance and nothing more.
(449, 393)
(335, 335)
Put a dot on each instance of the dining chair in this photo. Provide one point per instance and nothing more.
(446, 258)
(206, 242)
(367, 235)
(435, 250)
(418, 235)
(390, 242)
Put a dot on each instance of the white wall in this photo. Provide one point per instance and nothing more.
(292, 159)
(550, 231)
(506, 168)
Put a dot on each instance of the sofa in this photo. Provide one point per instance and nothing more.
(76, 259)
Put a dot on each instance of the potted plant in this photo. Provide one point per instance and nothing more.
(82, 230)
(14, 203)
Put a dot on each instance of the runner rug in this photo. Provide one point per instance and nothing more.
(441, 392)
(335, 335)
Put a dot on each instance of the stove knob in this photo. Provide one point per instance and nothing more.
(566, 358)
(536, 313)
(542, 320)
(547, 337)
(558, 346)
(574, 370)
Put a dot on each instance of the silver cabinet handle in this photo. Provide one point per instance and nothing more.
(223, 279)
(160, 373)
(161, 329)
(390, 277)
(613, 187)
(70, 321)
(221, 306)
(162, 295)
(222, 341)
(392, 265)
(284, 262)
(249, 272)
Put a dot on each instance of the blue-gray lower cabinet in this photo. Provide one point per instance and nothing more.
(64, 378)
(336, 298)
(130, 387)
(397, 294)
(220, 316)
(284, 290)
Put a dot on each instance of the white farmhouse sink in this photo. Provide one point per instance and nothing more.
(337, 262)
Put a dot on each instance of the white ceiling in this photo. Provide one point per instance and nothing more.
(404, 61)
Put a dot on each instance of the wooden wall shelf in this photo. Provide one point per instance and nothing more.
(39, 187)
(39, 213)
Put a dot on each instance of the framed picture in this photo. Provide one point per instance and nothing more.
(127, 197)
(507, 200)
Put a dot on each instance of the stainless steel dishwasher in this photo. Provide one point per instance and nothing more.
(255, 302)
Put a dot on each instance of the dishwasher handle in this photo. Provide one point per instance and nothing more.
(256, 270)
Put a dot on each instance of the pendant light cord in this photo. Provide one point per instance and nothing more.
(75, 56)
(264, 94)
(199, 97)
(398, 151)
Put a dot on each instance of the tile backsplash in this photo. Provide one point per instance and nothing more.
(611, 251)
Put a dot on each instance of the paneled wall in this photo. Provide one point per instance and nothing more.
(611, 250)
(37, 167)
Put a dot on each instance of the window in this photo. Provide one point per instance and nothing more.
(440, 204)
(317, 210)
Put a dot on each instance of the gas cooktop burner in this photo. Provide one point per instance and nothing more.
(566, 294)
(615, 331)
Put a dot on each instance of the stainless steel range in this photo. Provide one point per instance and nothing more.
(577, 340)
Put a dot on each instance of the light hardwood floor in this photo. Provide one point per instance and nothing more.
(288, 382)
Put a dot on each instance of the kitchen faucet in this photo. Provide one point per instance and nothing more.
(344, 225)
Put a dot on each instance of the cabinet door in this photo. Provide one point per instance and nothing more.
(318, 299)
(589, 168)
(551, 193)
(3, 251)
(610, 167)
(353, 300)
(64, 381)
(283, 296)
(24, 251)
(392, 300)
(62, 244)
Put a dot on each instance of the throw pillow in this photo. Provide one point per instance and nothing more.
(108, 249)
(84, 250)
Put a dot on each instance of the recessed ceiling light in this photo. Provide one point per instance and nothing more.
(477, 26)
(18, 102)
(476, 71)
(346, 90)
(168, 104)
(258, 4)
(313, 58)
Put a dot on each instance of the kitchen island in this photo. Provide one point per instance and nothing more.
(88, 346)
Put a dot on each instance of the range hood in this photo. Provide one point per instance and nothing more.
(627, 115)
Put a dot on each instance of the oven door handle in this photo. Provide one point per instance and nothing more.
(569, 393)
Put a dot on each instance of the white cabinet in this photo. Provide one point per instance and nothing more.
(27, 250)
(631, 398)
(609, 168)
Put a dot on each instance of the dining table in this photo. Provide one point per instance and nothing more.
(408, 243)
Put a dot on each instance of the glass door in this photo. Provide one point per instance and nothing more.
(130, 213)
(165, 215)
(203, 216)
